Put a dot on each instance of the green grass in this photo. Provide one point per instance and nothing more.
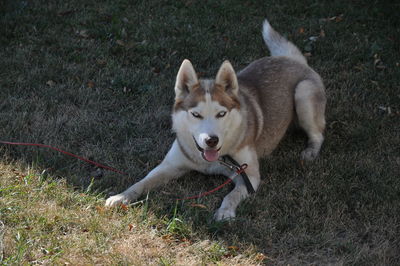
(49, 223)
(96, 78)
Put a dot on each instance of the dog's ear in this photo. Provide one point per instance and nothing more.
(185, 80)
(226, 77)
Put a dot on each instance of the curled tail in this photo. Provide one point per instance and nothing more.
(279, 46)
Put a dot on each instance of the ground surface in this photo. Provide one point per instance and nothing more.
(96, 78)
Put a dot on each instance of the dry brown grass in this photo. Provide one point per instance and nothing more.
(47, 223)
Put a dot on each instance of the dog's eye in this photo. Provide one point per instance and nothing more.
(221, 114)
(196, 114)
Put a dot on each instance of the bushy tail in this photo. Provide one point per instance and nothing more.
(279, 46)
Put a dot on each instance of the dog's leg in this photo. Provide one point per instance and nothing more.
(173, 166)
(231, 201)
(310, 104)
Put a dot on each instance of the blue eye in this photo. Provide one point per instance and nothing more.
(221, 114)
(197, 115)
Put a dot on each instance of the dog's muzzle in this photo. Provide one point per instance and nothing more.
(210, 155)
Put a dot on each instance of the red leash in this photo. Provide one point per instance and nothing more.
(67, 153)
(238, 170)
(208, 192)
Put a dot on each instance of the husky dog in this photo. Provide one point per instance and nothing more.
(242, 115)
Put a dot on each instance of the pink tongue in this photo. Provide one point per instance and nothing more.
(211, 155)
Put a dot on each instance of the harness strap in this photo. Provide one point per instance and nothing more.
(246, 179)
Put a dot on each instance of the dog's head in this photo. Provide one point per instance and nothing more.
(206, 109)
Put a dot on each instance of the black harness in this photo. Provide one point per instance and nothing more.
(228, 161)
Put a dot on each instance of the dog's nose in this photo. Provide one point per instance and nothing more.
(212, 141)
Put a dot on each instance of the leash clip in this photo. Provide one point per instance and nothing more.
(228, 165)
(241, 168)
(237, 168)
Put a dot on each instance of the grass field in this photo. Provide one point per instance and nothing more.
(96, 78)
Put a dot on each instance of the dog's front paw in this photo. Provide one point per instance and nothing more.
(309, 154)
(224, 214)
(117, 200)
